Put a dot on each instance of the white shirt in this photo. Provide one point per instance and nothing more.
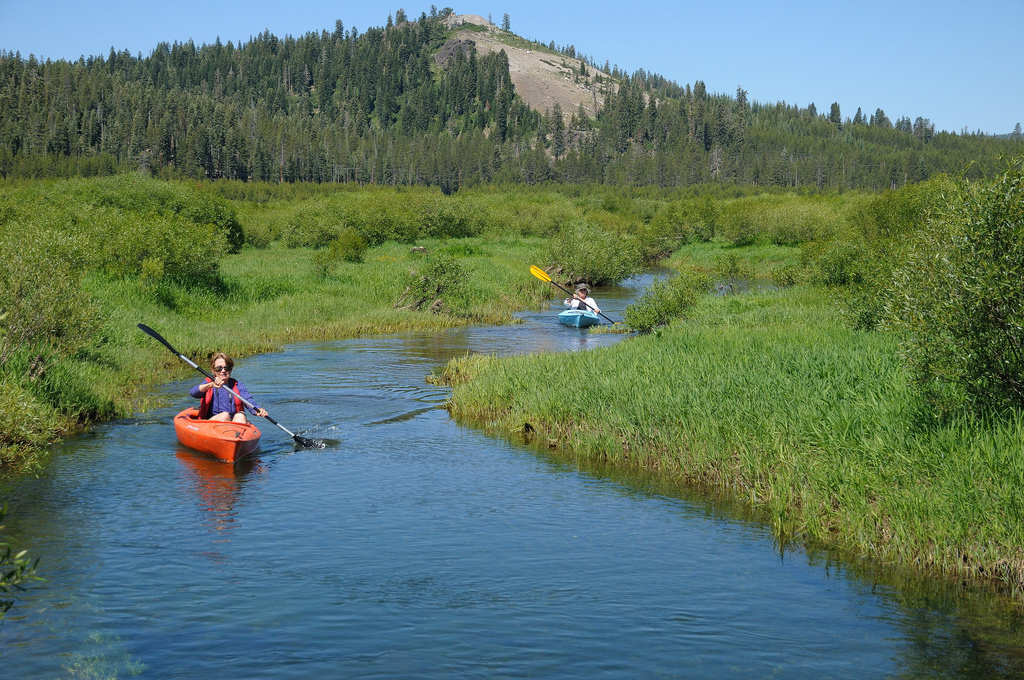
(574, 303)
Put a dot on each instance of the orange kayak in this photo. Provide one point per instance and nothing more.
(224, 440)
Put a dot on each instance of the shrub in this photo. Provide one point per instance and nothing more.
(144, 198)
(785, 276)
(41, 299)
(381, 217)
(728, 266)
(742, 223)
(438, 287)
(445, 217)
(312, 226)
(837, 263)
(959, 298)
(589, 254)
(679, 223)
(162, 247)
(347, 246)
(782, 220)
(15, 568)
(23, 425)
(862, 257)
(667, 299)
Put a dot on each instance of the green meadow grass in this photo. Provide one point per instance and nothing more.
(274, 297)
(723, 259)
(769, 398)
(268, 298)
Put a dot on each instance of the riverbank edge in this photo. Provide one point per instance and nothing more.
(166, 368)
(795, 513)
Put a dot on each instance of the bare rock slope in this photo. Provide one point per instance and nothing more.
(541, 76)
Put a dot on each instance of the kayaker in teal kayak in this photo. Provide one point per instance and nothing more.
(581, 300)
(221, 404)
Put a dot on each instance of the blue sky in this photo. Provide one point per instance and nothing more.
(956, 63)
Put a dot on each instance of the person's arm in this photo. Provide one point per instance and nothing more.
(256, 408)
(199, 390)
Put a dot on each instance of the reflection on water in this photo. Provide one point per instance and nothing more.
(216, 486)
(415, 547)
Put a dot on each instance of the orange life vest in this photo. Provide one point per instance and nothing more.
(206, 405)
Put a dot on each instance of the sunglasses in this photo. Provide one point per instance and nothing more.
(221, 369)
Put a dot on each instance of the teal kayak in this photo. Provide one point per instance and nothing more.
(574, 317)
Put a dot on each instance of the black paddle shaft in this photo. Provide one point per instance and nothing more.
(152, 333)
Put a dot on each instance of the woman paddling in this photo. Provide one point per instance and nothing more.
(224, 404)
(581, 300)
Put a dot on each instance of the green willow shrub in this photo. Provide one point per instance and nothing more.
(783, 220)
(667, 299)
(679, 223)
(447, 217)
(204, 208)
(786, 276)
(438, 287)
(742, 221)
(381, 217)
(41, 297)
(24, 425)
(858, 260)
(729, 266)
(16, 569)
(167, 247)
(143, 197)
(600, 258)
(348, 246)
(959, 298)
(311, 226)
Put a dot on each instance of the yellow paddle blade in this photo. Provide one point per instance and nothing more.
(540, 273)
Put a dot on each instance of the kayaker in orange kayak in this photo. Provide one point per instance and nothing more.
(221, 404)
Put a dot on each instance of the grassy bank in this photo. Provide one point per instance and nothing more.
(262, 300)
(770, 398)
(246, 267)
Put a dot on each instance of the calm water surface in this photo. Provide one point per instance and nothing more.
(416, 548)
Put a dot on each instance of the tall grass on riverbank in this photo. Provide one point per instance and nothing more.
(86, 261)
(769, 397)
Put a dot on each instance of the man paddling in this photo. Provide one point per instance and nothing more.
(581, 300)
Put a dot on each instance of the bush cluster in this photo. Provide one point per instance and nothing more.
(667, 299)
(42, 304)
(780, 219)
(16, 569)
(587, 253)
(678, 223)
(347, 246)
(958, 297)
(438, 287)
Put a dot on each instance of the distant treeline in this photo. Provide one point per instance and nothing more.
(406, 105)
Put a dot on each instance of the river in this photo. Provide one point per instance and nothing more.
(413, 547)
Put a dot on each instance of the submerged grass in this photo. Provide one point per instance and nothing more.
(768, 397)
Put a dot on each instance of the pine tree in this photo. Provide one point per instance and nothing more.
(557, 131)
(834, 115)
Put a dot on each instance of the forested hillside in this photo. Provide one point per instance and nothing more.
(407, 104)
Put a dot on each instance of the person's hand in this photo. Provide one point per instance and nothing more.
(262, 412)
(218, 381)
